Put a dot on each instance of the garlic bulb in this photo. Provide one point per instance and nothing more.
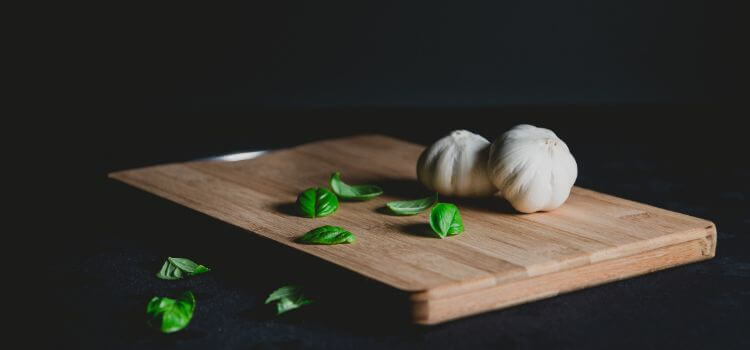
(532, 167)
(456, 165)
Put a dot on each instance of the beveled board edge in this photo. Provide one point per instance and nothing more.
(430, 311)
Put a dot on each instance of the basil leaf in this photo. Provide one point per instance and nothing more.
(316, 202)
(170, 315)
(412, 207)
(177, 268)
(327, 235)
(445, 220)
(287, 298)
(355, 192)
(285, 304)
(283, 292)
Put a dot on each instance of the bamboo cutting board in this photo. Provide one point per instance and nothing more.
(502, 258)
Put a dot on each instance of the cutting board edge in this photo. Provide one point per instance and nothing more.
(704, 230)
(430, 311)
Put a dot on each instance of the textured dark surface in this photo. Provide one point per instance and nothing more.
(116, 245)
(232, 57)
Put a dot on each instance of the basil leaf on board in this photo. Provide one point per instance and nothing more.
(287, 298)
(353, 192)
(316, 202)
(413, 206)
(445, 220)
(170, 315)
(177, 268)
(327, 235)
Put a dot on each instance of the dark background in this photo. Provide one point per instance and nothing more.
(171, 57)
(647, 94)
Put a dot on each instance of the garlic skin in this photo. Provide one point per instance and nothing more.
(532, 167)
(456, 165)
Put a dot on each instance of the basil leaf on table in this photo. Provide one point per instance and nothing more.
(445, 220)
(413, 206)
(353, 192)
(170, 315)
(287, 298)
(316, 202)
(177, 268)
(327, 235)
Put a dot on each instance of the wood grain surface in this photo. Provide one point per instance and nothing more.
(503, 258)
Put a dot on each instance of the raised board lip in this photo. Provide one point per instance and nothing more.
(704, 230)
(706, 236)
(424, 312)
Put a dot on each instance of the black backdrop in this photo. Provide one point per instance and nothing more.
(646, 93)
(209, 57)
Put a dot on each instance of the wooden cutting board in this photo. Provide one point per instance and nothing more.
(503, 258)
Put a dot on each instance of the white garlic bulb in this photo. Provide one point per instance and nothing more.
(456, 165)
(532, 168)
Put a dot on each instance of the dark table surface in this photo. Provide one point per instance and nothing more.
(123, 236)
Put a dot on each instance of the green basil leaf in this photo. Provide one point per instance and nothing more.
(170, 315)
(283, 292)
(286, 304)
(316, 202)
(327, 235)
(287, 298)
(353, 192)
(177, 268)
(445, 220)
(200, 269)
(412, 207)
